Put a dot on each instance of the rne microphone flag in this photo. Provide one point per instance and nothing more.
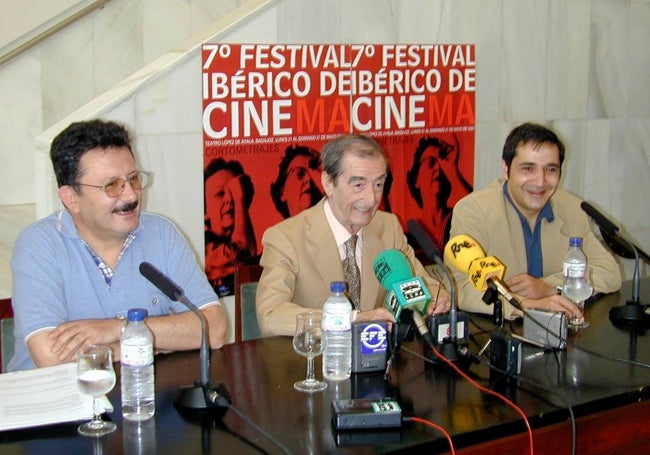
(465, 254)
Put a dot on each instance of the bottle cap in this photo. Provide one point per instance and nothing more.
(137, 314)
(575, 241)
(337, 286)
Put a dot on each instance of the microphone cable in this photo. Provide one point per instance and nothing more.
(567, 405)
(581, 348)
(478, 386)
(419, 321)
(435, 426)
(515, 303)
(259, 429)
(540, 386)
(397, 346)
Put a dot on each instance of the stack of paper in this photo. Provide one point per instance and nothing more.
(44, 396)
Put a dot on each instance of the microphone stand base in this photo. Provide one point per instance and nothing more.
(452, 351)
(202, 401)
(632, 314)
(449, 350)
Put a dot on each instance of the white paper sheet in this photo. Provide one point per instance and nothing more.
(44, 396)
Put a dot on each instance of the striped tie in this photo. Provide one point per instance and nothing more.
(351, 271)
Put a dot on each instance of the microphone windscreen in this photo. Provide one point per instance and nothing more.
(423, 239)
(161, 281)
(391, 266)
(461, 250)
(482, 269)
(600, 219)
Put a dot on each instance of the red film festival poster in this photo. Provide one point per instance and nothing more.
(269, 108)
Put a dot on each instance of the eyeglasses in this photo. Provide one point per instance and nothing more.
(138, 181)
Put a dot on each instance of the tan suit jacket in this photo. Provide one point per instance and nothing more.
(301, 259)
(488, 217)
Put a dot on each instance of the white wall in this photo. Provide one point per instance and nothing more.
(20, 22)
(579, 66)
(77, 64)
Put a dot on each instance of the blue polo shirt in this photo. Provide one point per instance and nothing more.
(56, 278)
(533, 240)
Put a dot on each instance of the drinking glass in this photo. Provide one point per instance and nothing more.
(96, 377)
(309, 340)
(578, 287)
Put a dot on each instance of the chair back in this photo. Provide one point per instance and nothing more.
(6, 333)
(250, 330)
(246, 278)
(6, 342)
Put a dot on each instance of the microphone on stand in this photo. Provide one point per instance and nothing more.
(432, 252)
(202, 398)
(407, 294)
(633, 312)
(393, 271)
(203, 402)
(486, 273)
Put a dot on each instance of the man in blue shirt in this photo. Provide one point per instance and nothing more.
(76, 272)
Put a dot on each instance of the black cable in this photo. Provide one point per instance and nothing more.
(547, 390)
(260, 430)
(567, 405)
(580, 348)
(515, 303)
(481, 329)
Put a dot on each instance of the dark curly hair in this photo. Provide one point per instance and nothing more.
(78, 138)
(529, 133)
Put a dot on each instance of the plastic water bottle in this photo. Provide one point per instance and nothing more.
(575, 261)
(137, 375)
(337, 324)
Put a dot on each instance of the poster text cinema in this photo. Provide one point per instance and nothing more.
(268, 110)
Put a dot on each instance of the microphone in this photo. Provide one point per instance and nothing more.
(466, 255)
(600, 219)
(633, 312)
(486, 273)
(407, 294)
(201, 398)
(158, 279)
(432, 252)
(424, 241)
(393, 271)
(613, 236)
(405, 291)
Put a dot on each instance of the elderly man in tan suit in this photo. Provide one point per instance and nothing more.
(304, 253)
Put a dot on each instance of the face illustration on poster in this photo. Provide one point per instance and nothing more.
(229, 235)
(297, 186)
(436, 184)
(388, 183)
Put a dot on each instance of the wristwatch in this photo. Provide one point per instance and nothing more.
(123, 319)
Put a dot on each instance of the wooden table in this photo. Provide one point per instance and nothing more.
(609, 399)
